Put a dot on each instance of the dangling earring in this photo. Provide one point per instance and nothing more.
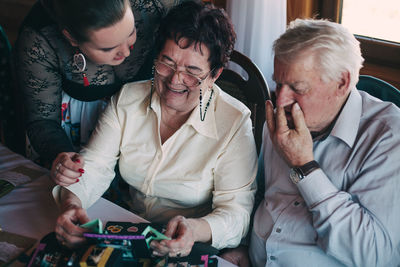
(203, 116)
(80, 64)
(152, 85)
(131, 47)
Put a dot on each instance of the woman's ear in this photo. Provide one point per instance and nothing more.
(69, 37)
(219, 71)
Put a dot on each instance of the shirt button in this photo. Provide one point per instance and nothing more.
(296, 203)
(272, 258)
(278, 230)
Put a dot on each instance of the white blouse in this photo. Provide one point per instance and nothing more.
(205, 169)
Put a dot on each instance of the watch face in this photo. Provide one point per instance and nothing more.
(294, 176)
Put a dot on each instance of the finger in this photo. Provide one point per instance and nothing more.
(183, 243)
(77, 158)
(298, 117)
(281, 121)
(270, 116)
(69, 174)
(66, 234)
(158, 249)
(74, 163)
(63, 180)
(172, 226)
(82, 217)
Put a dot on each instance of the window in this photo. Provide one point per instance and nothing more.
(375, 24)
(372, 18)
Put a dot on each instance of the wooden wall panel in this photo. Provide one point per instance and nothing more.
(301, 9)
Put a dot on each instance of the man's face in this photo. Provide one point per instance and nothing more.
(300, 82)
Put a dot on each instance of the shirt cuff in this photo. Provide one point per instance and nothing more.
(316, 187)
(57, 195)
(75, 189)
(216, 236)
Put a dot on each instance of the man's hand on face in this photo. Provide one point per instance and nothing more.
(295, 145)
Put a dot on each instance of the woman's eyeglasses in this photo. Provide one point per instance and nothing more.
(187, 78)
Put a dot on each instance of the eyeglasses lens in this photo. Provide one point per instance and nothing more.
(167, 71)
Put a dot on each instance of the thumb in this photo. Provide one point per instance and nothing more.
(77, 158)
(82, 216)
(171, 228)
(269, 115)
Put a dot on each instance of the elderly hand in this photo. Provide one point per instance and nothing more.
(67, 168)
(68, 232)
(295, 145)
(182, 233)
(238, 256)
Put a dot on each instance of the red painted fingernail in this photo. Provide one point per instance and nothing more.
(81, 170)
(77, 160)
(77, 180)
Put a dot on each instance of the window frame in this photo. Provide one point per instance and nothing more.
(382, 58)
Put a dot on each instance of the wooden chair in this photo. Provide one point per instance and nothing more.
(379, 88)
(252, 91)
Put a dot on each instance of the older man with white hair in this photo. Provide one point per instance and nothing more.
(331, 158)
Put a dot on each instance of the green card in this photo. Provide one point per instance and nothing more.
(96, 226)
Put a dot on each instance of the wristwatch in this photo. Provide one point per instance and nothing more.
(297, 174)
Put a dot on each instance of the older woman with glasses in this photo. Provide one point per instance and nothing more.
(185, 147)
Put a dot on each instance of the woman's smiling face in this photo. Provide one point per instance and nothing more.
(172, 90)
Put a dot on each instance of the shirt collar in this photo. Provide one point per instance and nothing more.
(208, 127)
(346, 126)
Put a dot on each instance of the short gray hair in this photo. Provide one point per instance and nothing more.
(335, 49)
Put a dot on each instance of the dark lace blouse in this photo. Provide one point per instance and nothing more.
(44, 69)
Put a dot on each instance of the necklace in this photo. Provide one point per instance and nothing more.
(203, 116)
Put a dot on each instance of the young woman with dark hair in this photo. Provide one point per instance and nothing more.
(71, 56)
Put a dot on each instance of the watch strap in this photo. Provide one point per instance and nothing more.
(308, 168)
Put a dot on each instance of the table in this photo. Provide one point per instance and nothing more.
(30, 209)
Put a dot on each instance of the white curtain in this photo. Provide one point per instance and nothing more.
(258, 23)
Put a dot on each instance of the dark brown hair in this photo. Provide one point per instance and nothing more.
(200, 24)
(79, 17)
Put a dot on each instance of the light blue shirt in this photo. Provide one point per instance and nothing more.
(348, 212)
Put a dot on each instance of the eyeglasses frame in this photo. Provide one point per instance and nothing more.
(199, 80)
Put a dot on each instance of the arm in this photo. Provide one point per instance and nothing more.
(359, 225)
(39, 78)
(67, 230)
(99, 156)
(234, 187)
